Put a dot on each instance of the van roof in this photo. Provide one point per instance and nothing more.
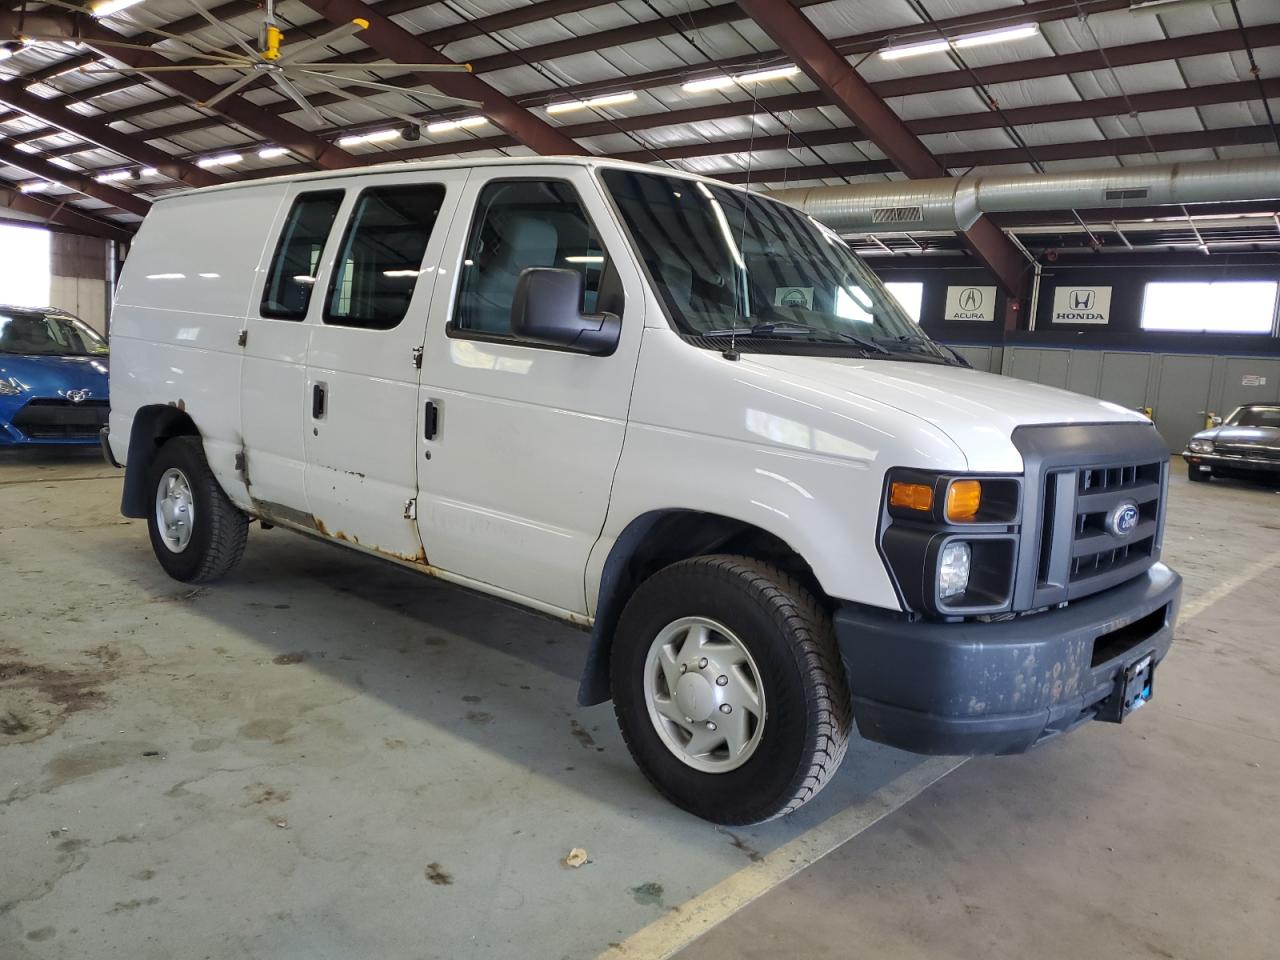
(428, 165)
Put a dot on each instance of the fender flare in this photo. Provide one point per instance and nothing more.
(152, 425)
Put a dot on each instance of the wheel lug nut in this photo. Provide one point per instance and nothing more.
(702, 664)
(726, 708)
(722, 681)
(710, 725)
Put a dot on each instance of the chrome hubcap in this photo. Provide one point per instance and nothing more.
(175, 510)
(704, 695)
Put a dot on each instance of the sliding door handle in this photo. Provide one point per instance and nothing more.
(318, 398)
(430, 420)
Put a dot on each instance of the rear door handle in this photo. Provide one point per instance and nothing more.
(318, 397)
(430, 420)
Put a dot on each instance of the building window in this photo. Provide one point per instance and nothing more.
(381, 258)
(297, 259)
(909, 296)
(1224, 306)
(27, 259)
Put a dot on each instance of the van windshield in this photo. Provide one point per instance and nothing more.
(36, 333)
(728, 263)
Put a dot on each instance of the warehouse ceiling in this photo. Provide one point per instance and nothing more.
(699, 85)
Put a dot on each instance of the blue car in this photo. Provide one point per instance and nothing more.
(53, 378)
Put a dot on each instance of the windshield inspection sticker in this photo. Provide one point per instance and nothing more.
(1253, 380)
(793, 297)
(1081, 305)
(970, 303)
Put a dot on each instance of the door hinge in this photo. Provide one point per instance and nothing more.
(417, 358)
(411, 509)
(243, 338)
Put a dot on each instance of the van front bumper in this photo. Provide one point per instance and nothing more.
(1002, 687)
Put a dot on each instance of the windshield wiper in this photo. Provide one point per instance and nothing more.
(783, 326)
(909, 340)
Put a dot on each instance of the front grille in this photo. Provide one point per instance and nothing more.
(1099, 490)
(1247, 451)
(58, 419)
(1075, 477)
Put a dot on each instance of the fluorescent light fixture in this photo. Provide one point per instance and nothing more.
(221, 160)
(270, 153)
(377, 136)
(114, 176)
(584, 259)
(443, 126)
(763, 76)
(303, 278)
(65, 164)
(708, 83)
(608, 100)
(106, 8)
(401, 273)
(914, 49)
(1018, 32)
(35, 186)
(148, 172)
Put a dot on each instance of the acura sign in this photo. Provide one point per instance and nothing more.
(970, 303)
(1081, 304)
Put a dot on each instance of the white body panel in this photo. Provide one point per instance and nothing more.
(517, 487)
(542, 457)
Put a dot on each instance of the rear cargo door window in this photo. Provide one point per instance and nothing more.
(381, 256)
(297, 257)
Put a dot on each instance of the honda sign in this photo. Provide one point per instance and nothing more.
(1081, 304)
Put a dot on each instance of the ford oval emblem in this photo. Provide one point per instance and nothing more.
(1123, 519)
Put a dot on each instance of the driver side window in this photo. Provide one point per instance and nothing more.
(528, 223)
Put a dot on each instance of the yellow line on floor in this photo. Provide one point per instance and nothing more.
(1193, 608)
(679, 928)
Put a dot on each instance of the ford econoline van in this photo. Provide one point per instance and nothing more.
(681, 416)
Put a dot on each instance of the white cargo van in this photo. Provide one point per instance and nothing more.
(652, 405)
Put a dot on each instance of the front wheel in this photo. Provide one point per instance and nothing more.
(197, 533)
(729, 688)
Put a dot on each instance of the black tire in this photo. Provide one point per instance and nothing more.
(219, 531)
(1198, 474)
(808, 717)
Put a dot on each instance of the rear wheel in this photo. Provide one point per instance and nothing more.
(196, 532)
(728, 685)
(1197, 474)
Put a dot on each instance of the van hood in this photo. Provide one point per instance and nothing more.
(978, 411)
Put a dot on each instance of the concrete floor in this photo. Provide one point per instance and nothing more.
(325, 756)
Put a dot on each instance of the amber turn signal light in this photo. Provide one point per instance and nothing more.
(912, 496)
(964, 497)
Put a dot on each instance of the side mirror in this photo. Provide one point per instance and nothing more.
(1215, 420)
(546, 310)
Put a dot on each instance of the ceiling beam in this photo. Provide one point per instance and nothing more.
(1125, 146)
(127, 202)
(262, 121)
(844, 87)
(1041, 10)
(396, 43)
(131, 148)
(58, 213)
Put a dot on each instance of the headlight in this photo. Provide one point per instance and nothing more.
(1202, 446)
(953, 569)
(10, 388)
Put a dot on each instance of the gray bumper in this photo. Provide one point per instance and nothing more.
(1231, 464)
(1001, 687)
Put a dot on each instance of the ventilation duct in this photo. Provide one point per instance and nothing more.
(955, 203)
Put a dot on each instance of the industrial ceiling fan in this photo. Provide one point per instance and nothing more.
(286, 65)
